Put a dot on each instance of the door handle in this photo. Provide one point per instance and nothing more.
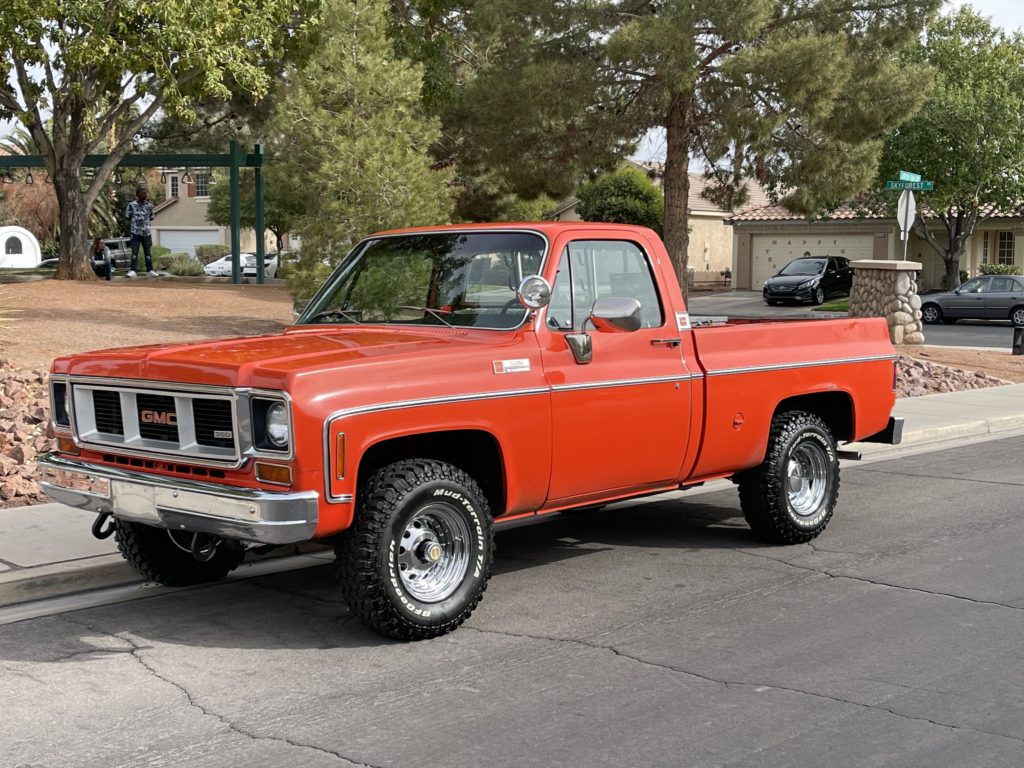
(667, 342)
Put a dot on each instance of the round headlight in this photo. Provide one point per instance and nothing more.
(277, 425)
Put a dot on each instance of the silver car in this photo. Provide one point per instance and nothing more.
(988, 297)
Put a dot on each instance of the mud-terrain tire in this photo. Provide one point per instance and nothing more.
(153, 553)
(394, 579)
(790, 497)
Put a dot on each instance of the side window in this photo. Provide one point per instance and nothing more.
(1003, 285)
(977, 285)
(593, 269)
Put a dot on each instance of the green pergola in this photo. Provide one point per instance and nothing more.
(234, 160)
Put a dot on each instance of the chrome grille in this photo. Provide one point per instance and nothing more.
(107, 409)
(197, 424)
(158, 418)
(214, 425)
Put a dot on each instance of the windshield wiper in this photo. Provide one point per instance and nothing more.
(438, 313)
(345, 313)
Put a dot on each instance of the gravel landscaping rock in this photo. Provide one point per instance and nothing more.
(24, 433)
(916, 377)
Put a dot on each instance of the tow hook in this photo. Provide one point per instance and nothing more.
(101, 527)
(204, 546)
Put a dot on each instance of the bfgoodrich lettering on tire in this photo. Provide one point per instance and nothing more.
(416, 560)
(790, 497)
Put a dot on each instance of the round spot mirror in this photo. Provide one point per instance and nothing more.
(534, 292)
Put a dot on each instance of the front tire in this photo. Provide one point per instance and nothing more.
(164, 556)
(818, 296)
(417, 558)
(790, 497)
(931, 314)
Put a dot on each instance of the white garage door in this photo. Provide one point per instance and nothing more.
(770, 253)
(186, 240)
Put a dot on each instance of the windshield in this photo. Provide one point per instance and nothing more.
(459, 279)
(804, 267)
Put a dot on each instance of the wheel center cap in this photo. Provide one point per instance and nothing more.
(432, 552)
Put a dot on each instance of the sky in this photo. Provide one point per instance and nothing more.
(1006, 13)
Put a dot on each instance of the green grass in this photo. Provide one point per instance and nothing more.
(842, 305)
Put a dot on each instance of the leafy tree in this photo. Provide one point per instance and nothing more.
(355, 140)
(626, 196)
(284, 201)
(794, 93)
(969, 136)
(88, 75)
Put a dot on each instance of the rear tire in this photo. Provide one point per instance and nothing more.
(168, 561)
(931, 314)
(790, 497)
(393, 578)
(1017, 316)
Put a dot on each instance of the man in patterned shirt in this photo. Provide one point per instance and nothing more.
(140, 213)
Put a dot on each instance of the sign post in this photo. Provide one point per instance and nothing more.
(906, 210)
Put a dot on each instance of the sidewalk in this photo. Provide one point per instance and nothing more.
(47, 550)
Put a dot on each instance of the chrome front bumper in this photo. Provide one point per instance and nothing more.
(247, 514)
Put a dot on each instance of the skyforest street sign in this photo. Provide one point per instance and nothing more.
(913, 186)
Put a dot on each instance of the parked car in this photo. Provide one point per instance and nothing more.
(448, 379)
(249, 265)
(810, 279)
(222, 266)
(988, 297)
(219, 268)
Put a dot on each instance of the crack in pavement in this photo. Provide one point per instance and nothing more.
(875, 582)
(295, 593)
(135, 653)
(941, 477)
(739, 683)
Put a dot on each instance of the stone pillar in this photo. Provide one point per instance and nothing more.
(889, 289)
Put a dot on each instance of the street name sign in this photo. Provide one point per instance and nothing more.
(917, 186)
(908, 176)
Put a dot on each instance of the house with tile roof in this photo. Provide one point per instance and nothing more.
(767, 237)
(711, 233)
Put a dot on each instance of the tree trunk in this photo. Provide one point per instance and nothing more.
(952, 260)
(73, 214)
(677, 185)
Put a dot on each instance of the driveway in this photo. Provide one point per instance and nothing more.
(748, 304)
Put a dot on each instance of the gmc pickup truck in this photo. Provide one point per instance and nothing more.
(448, 379)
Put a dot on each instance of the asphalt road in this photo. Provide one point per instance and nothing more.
(966, 333)
(660, 634)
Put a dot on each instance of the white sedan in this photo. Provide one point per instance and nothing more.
(222, 266)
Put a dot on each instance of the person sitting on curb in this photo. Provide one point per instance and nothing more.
(140, 213)
(101, 259)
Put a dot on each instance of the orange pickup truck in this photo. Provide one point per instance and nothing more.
(448, 379)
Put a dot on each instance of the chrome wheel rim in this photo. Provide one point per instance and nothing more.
(433, 553)
(930, 314)
(806, 478)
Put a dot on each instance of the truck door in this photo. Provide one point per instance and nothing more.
(621, 421)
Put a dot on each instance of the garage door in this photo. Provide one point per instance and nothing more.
(186, 240)
(770, 253)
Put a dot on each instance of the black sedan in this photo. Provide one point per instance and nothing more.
(811, 278)
(987, 297)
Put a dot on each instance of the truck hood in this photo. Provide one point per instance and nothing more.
(269, 361)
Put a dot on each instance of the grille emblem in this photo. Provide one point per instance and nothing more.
(158, 417)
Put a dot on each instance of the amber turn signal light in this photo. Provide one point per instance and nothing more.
(273, 473)
(339, 457)
(67, 445)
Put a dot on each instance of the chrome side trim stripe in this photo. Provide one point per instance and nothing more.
(812, 364)
(625, 382)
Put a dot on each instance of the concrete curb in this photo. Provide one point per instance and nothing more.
(42, 582)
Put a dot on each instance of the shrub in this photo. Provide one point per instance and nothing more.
(159, 250)
(626, 196)
(210, 253)
(162, 262)
(306, 276)
(999, 269)
(183, 265)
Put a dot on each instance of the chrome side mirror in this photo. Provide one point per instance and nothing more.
(534, 292)
(615, 315)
